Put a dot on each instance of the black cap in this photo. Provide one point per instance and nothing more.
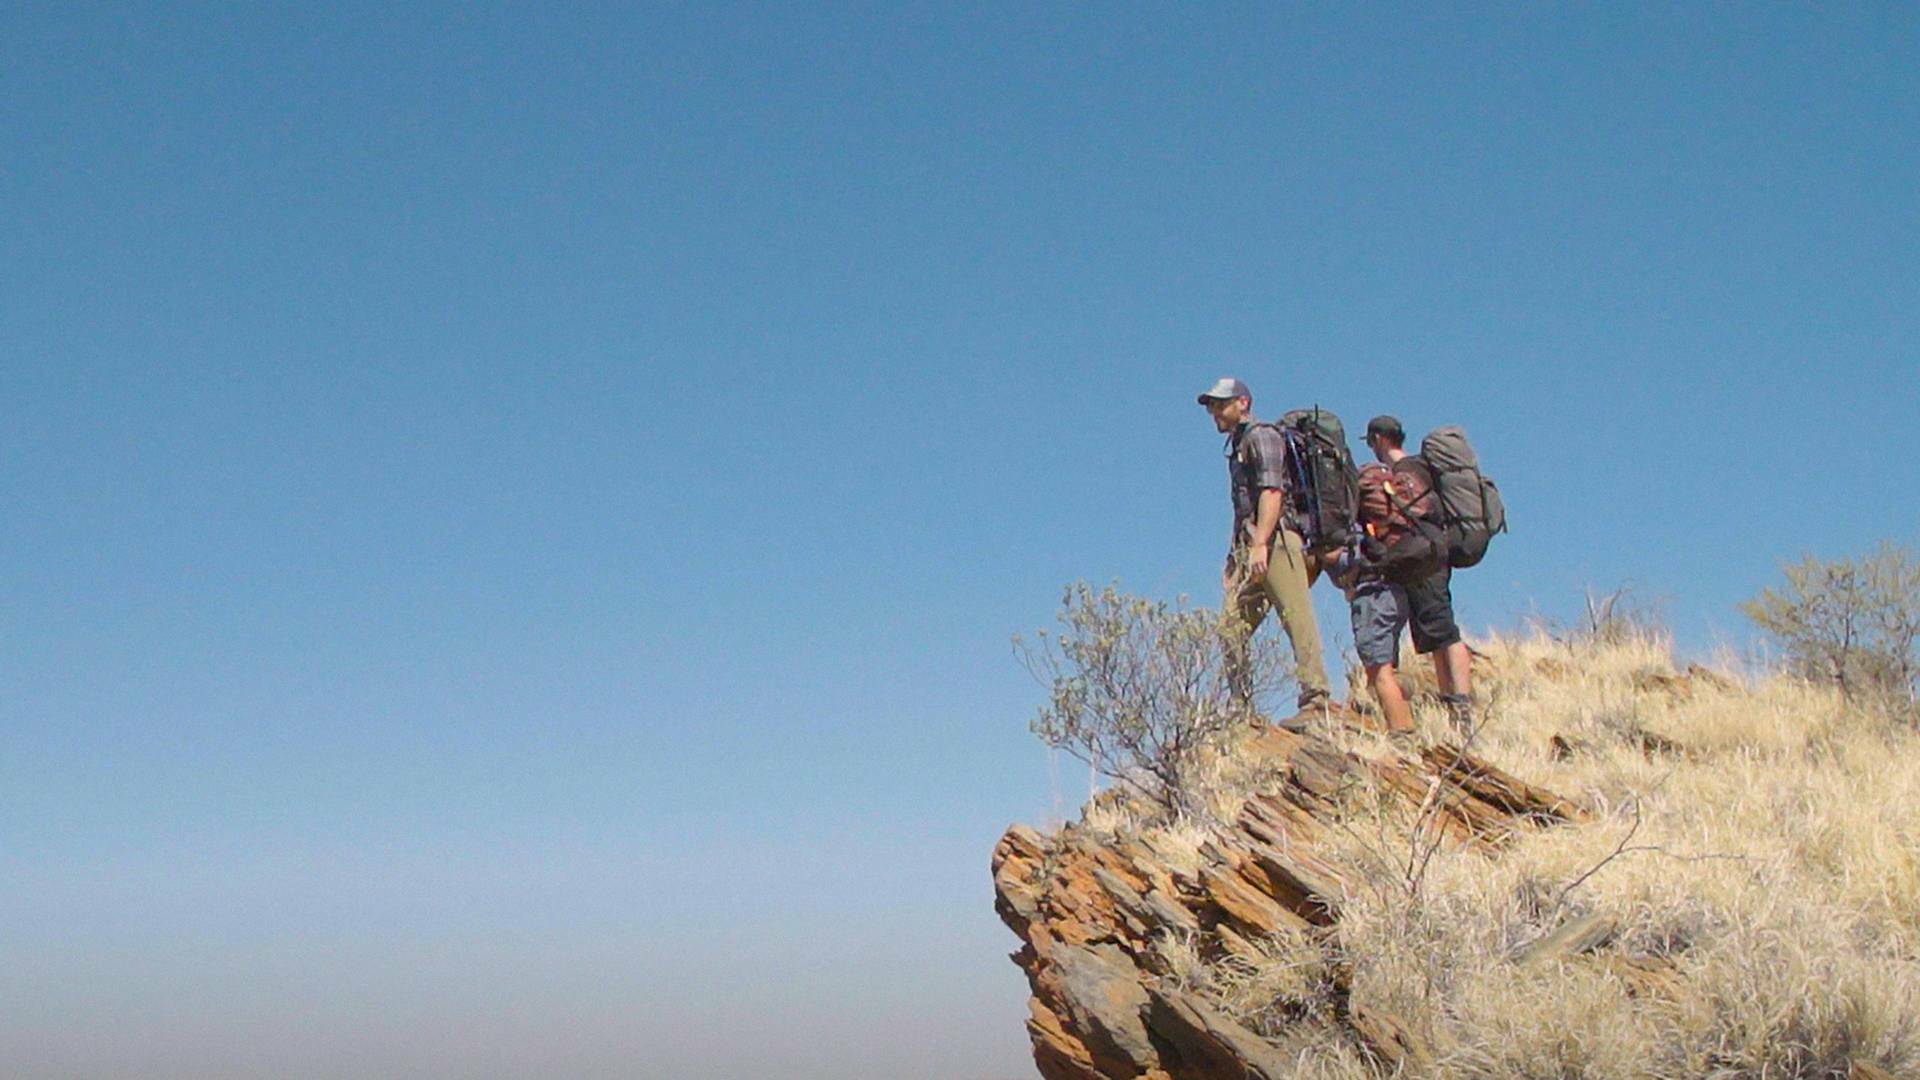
(1388, 426)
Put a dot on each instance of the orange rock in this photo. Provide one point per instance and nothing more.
(1089, 911)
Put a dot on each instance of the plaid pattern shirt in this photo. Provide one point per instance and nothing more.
(1256, 459)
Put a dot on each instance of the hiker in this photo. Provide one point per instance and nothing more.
(1266, 563)
(1385, 531)
(1430, 600)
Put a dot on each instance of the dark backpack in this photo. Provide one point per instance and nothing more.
(1324, 485)
(1471, 512)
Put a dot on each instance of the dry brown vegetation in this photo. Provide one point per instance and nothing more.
(1742, 901)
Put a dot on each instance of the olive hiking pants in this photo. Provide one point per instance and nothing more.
(1284, 587)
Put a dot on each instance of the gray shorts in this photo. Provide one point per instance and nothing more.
(1379, 611)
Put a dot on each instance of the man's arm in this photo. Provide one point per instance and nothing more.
(1268, 455)
(1265, 524)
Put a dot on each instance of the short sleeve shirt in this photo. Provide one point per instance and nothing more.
(1256, 460)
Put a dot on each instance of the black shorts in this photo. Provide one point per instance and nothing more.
(1430, 612)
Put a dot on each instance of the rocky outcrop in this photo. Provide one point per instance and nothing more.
(1088, 908)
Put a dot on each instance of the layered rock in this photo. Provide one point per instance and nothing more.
(1088, 907)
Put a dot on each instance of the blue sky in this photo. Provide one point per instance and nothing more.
(515, 516)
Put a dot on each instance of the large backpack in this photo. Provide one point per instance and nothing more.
(1394, 498)
(1397, 512)
(1471, 512)
(1325, 487)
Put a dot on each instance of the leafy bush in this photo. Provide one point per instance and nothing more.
(1143, 690)
(1854, 623)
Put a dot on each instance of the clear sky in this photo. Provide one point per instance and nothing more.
(514, 514)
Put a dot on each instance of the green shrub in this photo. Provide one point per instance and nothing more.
(1141, 689)
(1853, 623)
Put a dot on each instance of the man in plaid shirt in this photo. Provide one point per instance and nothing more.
(1267, 567)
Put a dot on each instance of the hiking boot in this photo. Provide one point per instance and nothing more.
(1407, 742)
(1298, 723)
(1313, 712)
(1459, 713)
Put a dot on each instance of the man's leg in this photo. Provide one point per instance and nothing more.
(1453, 669)
(1393, 702)
(1286, 585)
(1246, 607)
(1436, 633)
(1379, 612)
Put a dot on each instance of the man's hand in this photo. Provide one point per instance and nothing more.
(1257, 555)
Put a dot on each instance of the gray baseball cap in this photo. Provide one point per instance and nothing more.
(1226, 390)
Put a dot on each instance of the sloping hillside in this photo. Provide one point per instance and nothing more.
(1631, 871)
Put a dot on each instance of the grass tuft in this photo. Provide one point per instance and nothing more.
(1757, 848)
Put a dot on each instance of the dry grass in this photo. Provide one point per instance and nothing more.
(1765, 851)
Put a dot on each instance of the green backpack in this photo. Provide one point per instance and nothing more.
(1325, 487)
(1471, 511)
